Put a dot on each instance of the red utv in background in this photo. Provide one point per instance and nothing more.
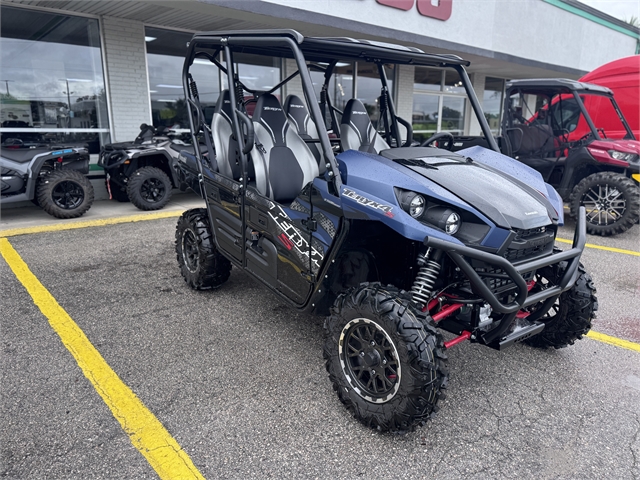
(622, 77)
(576, 136)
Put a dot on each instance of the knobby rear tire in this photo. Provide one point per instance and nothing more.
(149, 188)
(65, 193)
(201, 264)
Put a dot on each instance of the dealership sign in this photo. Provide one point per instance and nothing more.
(440, 9)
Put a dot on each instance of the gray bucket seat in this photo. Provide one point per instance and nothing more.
(356, 130)
(282, 160)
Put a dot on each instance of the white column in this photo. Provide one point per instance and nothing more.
(472, 126)
(404, 93)
(293, 86)
(125, 58)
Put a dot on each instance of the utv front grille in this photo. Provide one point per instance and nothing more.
(497, 279)
(531, 243)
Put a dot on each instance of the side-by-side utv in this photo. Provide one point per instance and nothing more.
(395, 241)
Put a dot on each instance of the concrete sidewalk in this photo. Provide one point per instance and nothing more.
(32, 216)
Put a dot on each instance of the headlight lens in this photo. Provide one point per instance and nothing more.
(444, 218)
(627, 157)
(452, 224)
(416, 206)
(413, 203)
(466, 226)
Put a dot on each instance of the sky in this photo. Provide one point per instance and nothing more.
(622, 9)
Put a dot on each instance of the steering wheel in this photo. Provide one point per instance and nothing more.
(448, 144)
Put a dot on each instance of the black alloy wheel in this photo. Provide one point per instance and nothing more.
(152, 190)
(68, 195)
(370, 360)
(190, 251)
(149, 188)
(611, 201)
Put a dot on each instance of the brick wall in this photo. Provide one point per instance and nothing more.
(124, 50)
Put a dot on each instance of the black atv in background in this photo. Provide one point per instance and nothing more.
(52, 177)
(143, 171)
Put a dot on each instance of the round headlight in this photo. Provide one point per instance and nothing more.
(416, 206)
(452, 224)
(444, 218)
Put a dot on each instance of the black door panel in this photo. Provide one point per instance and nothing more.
(224, 208)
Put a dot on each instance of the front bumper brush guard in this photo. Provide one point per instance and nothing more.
(514, 272)
(109, 159)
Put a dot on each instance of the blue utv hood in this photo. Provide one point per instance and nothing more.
(478, 180)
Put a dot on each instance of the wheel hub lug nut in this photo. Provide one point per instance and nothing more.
(372, 343)
(362, 354)
(373, 372)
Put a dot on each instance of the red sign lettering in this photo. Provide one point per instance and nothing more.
(401, 4)
(440, 9)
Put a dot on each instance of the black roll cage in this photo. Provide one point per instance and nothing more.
(552, 90)
(308, 52)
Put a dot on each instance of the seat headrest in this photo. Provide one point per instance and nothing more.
(297, 110)
(269, 112)
(223, 106)
(356, 114)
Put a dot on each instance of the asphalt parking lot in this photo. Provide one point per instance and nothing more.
(237, 378)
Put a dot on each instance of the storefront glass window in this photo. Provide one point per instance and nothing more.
(492, 102)
(439, 103)
(368, 85)
(453, 82)
(453, 115)
(166, 50)
(258, 73)
(52, 87)
(340, 86)
(428, 79)
(425, 114)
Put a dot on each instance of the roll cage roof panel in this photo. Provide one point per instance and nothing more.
(555, 86)
(286, 43)
(315, 49)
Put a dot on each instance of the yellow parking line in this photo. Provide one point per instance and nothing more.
(600, 247)
(618, 342)
(145, 431)
(90, 223)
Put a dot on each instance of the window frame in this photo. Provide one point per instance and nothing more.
(441, 94)
(105, 75)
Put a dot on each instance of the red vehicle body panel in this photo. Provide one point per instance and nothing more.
(623, 78)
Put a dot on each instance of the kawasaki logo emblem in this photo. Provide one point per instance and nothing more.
(368, 202)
